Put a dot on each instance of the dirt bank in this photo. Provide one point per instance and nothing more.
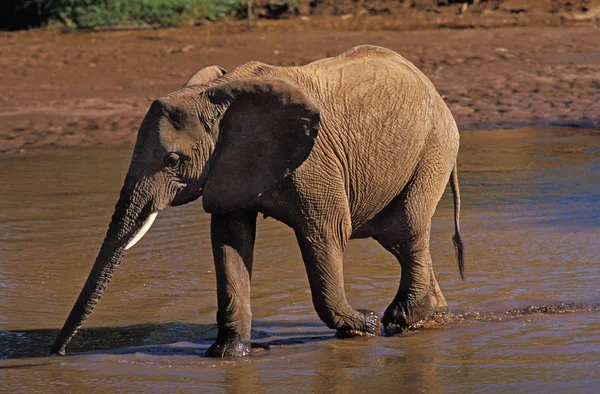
(93, 88)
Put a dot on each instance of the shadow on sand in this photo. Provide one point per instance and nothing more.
(187, 339)
(156, 339)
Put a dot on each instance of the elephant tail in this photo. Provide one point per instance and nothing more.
(457, 239)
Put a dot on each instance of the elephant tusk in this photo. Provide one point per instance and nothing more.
(143, 230)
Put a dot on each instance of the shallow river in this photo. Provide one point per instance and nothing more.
(531, 226)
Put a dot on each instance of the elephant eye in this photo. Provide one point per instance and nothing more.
(172, 160)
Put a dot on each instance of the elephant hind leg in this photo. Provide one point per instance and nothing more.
(405, 231)
(323, 260)
(419, 295)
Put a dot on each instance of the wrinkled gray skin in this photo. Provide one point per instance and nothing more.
(355, 146)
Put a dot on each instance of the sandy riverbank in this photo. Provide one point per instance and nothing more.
(84, 89)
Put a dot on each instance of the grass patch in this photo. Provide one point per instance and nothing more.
(164, 13)
(88, 14)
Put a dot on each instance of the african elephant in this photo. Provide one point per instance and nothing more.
(359, 145)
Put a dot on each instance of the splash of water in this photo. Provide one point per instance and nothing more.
(446, 319)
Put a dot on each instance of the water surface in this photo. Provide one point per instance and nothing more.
(531, 226)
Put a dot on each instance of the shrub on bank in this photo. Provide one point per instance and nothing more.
(166, 13)
(19, 14)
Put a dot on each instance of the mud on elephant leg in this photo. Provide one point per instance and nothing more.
(233, 237)
(323, 262)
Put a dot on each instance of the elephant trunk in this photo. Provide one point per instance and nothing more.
(131, 217)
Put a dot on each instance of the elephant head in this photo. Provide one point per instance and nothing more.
(224, 139)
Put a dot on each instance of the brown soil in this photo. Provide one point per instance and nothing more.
(456, 13)
(83, 89)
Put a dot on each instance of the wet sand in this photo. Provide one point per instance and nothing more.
(85, 89)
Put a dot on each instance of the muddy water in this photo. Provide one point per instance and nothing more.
(531, 224)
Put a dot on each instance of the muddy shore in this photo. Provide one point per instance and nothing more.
(83, 89)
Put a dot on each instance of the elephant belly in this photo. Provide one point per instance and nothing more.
(367, 211)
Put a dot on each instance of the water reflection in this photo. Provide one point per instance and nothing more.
(531, 223)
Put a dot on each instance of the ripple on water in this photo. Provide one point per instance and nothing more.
(525, 319)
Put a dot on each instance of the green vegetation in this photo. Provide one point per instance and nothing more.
(88, 14)
(92, 13)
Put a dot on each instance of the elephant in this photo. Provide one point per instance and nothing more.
(354, 146)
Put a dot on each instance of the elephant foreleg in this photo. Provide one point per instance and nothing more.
(233, 237)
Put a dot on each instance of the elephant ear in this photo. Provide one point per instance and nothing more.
(206, 75)
(267, 131)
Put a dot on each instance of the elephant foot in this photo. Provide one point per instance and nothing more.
(402, 316)
(229, 348)
(371, 327)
